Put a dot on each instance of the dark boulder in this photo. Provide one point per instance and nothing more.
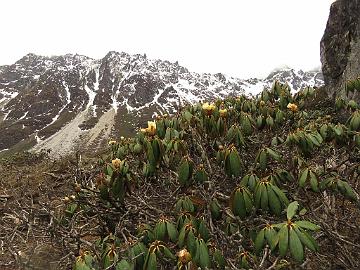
(340, 46)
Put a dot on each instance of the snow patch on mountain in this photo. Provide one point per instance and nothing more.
(91, 94)
(37, 91)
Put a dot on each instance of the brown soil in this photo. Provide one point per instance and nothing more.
(32, 188)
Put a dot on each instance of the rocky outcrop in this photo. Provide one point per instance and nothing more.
(340, 46)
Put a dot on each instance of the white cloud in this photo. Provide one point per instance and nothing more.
(240, 37)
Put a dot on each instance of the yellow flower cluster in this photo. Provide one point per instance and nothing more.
(184, 256)
(292, 107)
(151, 129)
(112, 142)
(223, 112)
(208, 108)
(116, 163)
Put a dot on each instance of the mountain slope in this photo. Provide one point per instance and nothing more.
(70, 101)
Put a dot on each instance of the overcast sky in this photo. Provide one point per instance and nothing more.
(242, 38)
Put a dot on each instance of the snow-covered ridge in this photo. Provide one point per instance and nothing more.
(41, 95)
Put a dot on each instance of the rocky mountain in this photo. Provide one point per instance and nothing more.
(73, 101)
(340, 46)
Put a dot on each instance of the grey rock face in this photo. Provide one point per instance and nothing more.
(340, 46)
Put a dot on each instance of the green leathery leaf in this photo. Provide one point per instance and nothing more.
(258, 195)
(156, 149)
(279, 117)
(279, 225)
(220, 126)
(184, 172)
(283, 240)
(324, 131)
(120, 152)
(305, 239)
(307, 225)
(150, 262)
(235, 162)
(88, 259)
(219, 259)
(247, 200)
(271, 238)
(109, 259)
(245, 180)
(191, 243)
(264, 198)
(215, 209)
(81, 265)
(231, 133)
(280, 194)
(259, 121)
(244, 263)
(188, 205)
(313, 139)
(318, 136)
(204, 259)
(285, 175)
(273, 154)
(137, 250)
(118, 188)
(349, 192)
(314, 182)
(150, 153)
(188, 116)
(252, 182)
(296, 248)
(137, 148)
(274, 202)
(168, 253)
(246, 125)
(181, 238)
(123, 265)
(274, 141)
(259, 241)
(196, 256)
(109, 170)
(160, 230)
(104, 193)
(303, 177)
(239, 207)
(228, 165)
(357, 140)
(291, 209)
(341, 186)
(263, 159)
(201, 176)
(203, 231)
(172, 232)
(269, 121)
(338, 130)
(355, 121)
(312, 240)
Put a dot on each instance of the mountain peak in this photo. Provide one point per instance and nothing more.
(61, 102)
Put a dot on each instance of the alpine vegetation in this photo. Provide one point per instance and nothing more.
(236, 183)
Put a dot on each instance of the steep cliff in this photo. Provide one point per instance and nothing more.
(340, 46)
